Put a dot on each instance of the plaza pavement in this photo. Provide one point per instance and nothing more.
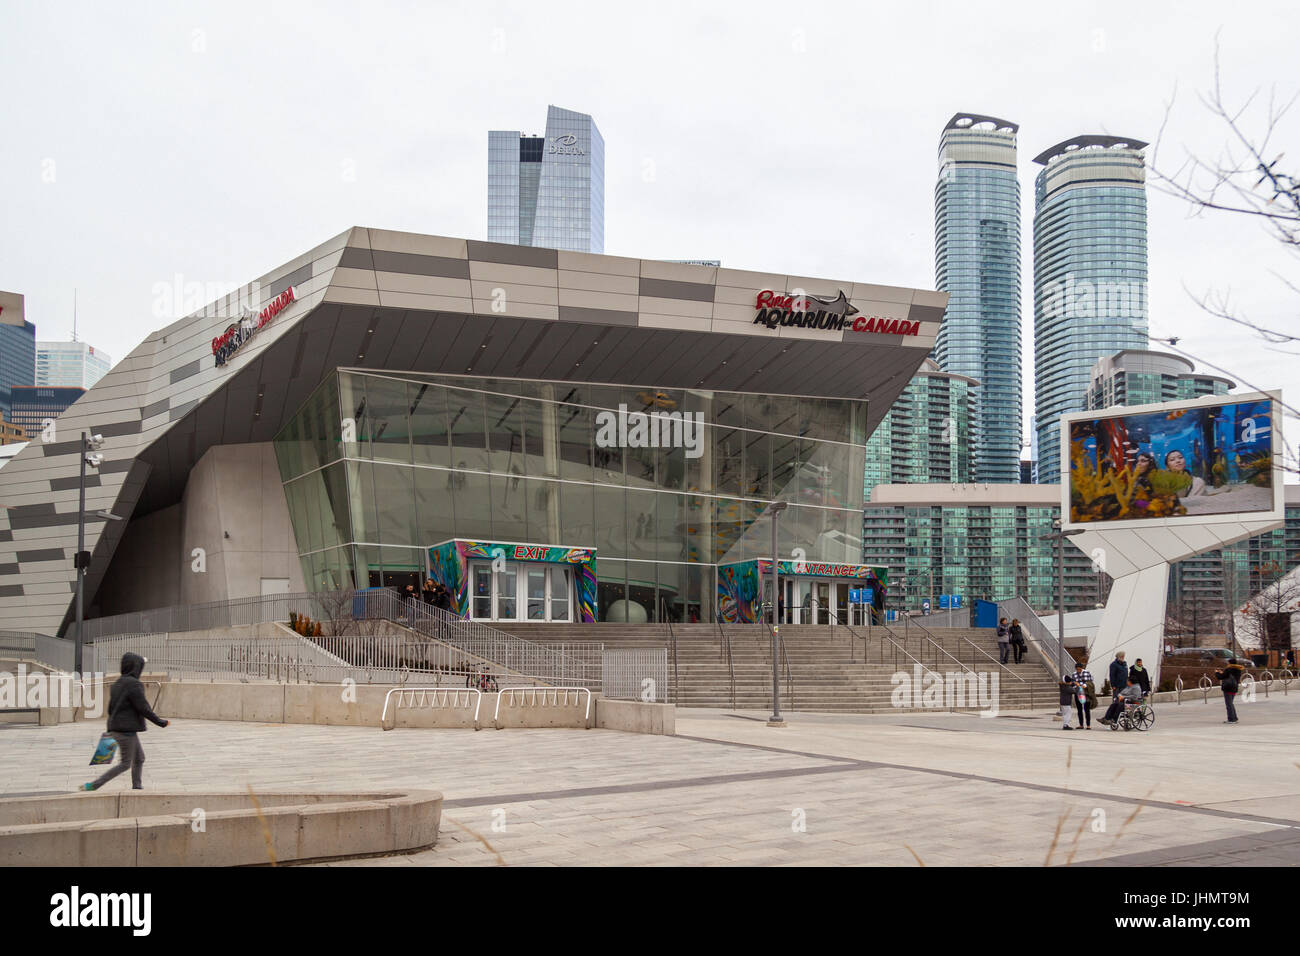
(907, 789)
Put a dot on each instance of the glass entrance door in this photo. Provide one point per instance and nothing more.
(546, 592)
(822, 602)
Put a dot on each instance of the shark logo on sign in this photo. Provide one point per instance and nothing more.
(810, 312)
(224, 346)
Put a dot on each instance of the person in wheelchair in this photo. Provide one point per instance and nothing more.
(1130, 697)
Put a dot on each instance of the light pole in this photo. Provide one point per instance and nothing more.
(82, 560)
(1059, 537)
(776, 508)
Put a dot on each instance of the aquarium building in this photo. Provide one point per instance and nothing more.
(558, 435)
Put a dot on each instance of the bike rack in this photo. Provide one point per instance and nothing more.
(458, 697)
(1178, 688)
(1205, 684)
(549, 697)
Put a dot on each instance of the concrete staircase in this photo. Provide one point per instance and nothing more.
(831, 670)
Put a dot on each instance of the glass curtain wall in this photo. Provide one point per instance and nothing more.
(379, 466)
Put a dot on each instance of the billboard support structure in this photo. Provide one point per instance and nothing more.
(1137, 552)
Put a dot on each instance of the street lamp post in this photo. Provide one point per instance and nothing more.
(1059, 537)
(82, 560)
(776, 508)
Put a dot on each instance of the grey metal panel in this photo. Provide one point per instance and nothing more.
(155, 408)
(669, 289)
(415, 264)
(11, 590)
(573, 313)
(6, 535)
(113, 467)
(41, 554)
(31, 511)
(63, 484)
(55, 448)
(117, 429)
(9, 569)
(356, 258)
(51, 521)
(926, 313)
(185, 371)
(296, 277)
(513, 255)
(180, 410)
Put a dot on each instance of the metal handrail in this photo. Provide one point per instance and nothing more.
(672, 640)
(724, 648)
(1002, 667)
(897, 648)
(1037, 636)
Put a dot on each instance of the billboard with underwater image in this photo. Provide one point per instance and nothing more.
(1180, 460)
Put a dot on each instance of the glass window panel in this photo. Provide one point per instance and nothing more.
(473, 507)
(641, 591)
(384, 426)
(434, 505)
(465, 422)
(509, 508)
(430, 443)
(395, 500)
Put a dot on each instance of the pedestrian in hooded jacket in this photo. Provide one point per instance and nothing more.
(128, 709)
(1230, 683)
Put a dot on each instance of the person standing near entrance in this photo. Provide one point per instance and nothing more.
(128, 709)
(1004, 640)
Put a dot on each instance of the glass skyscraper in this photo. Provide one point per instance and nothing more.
(548, 191)
(17, 361)
(977, 262)
(926, 434)
(1090, 274)
(70, 364)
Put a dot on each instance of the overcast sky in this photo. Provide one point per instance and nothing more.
(150, 144)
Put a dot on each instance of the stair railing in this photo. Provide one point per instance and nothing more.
(974, 649)
(672, 641)
(724, 648)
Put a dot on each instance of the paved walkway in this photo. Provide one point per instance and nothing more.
(893, 790)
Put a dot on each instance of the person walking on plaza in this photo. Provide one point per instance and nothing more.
(1004, 640)
(128, 709)
(1085, 695)
(1017, 635)
(1141, 675)
(1230, 682)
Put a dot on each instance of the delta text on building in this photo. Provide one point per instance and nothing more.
(390, 405)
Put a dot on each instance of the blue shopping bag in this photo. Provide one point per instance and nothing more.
(105, 751)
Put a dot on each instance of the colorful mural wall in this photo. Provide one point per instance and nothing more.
(449, 564)
(741, 586)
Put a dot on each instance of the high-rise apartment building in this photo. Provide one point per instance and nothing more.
(70, 364)
(17, 349)
(548, 191)
(977, 262)
(926, 434)
(1137, 377)
(1090, 274)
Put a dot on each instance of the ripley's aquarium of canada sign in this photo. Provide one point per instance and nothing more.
(225, 345)
(809, 312)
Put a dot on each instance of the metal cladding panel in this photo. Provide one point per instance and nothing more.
(172, 380)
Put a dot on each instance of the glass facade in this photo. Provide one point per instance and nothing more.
(548, 191)
(977, 262)
(377, 467)
(1090, 276)
(70, 364)
(17, 361)
(1144, 378)
(926, 434)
